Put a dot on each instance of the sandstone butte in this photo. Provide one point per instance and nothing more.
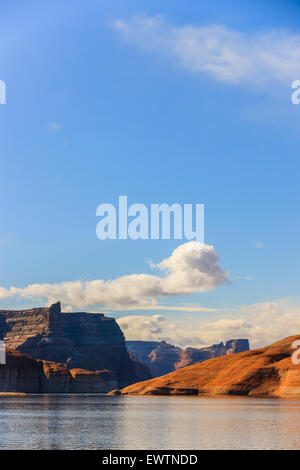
(79, 340)
(24, 374)
(267, 371)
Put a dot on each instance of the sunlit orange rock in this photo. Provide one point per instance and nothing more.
(267, 371)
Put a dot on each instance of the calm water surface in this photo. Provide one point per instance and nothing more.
(102, 422)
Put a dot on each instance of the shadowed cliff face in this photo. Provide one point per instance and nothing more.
(267, 371)
(162, 358)
(78, 340)
(24, 374)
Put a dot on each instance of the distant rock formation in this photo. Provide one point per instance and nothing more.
(141, 369)
(162, 357)
(78, 340)
(23, 374)
(267, 371)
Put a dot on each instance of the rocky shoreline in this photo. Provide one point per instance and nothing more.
(23, 374)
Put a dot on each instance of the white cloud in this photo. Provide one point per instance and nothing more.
(261, 323)
(171, 308)
(67, 308)
(243, 278)
(192, 267)
(54, 126)
(225, 54)
(142, 327)
(259, 244)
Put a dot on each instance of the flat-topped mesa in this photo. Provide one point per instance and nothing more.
(234, 346)
(77, 340)
(193, 355)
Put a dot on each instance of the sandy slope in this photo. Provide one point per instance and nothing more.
(267, 371)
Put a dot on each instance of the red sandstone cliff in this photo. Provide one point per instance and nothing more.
(24, 374)
(267, 371)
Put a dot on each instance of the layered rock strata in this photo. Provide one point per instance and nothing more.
(77, 340)
(162, 357)
(24, 374)
(269, 371)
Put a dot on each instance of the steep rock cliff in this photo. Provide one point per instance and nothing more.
(162, 357)
(78, 340)
(24, 374)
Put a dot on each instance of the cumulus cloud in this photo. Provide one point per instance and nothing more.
(225, 54)
(142, 327)
(261, 323)
(192, 267)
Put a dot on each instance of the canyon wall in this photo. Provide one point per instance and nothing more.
(77, 340)
(23, 374)
(162, 357)
(268, 371)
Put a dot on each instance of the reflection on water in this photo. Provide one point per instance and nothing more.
(102, 422)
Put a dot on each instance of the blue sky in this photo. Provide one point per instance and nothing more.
(95, 111)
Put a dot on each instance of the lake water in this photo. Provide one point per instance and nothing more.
(137, 422)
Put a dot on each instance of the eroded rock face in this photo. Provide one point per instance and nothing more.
(24, 374)
(83, 380)
(191, 356)
(20, 374)
(77, 340)
(141, 369)
(162, 357)
(267, 371)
